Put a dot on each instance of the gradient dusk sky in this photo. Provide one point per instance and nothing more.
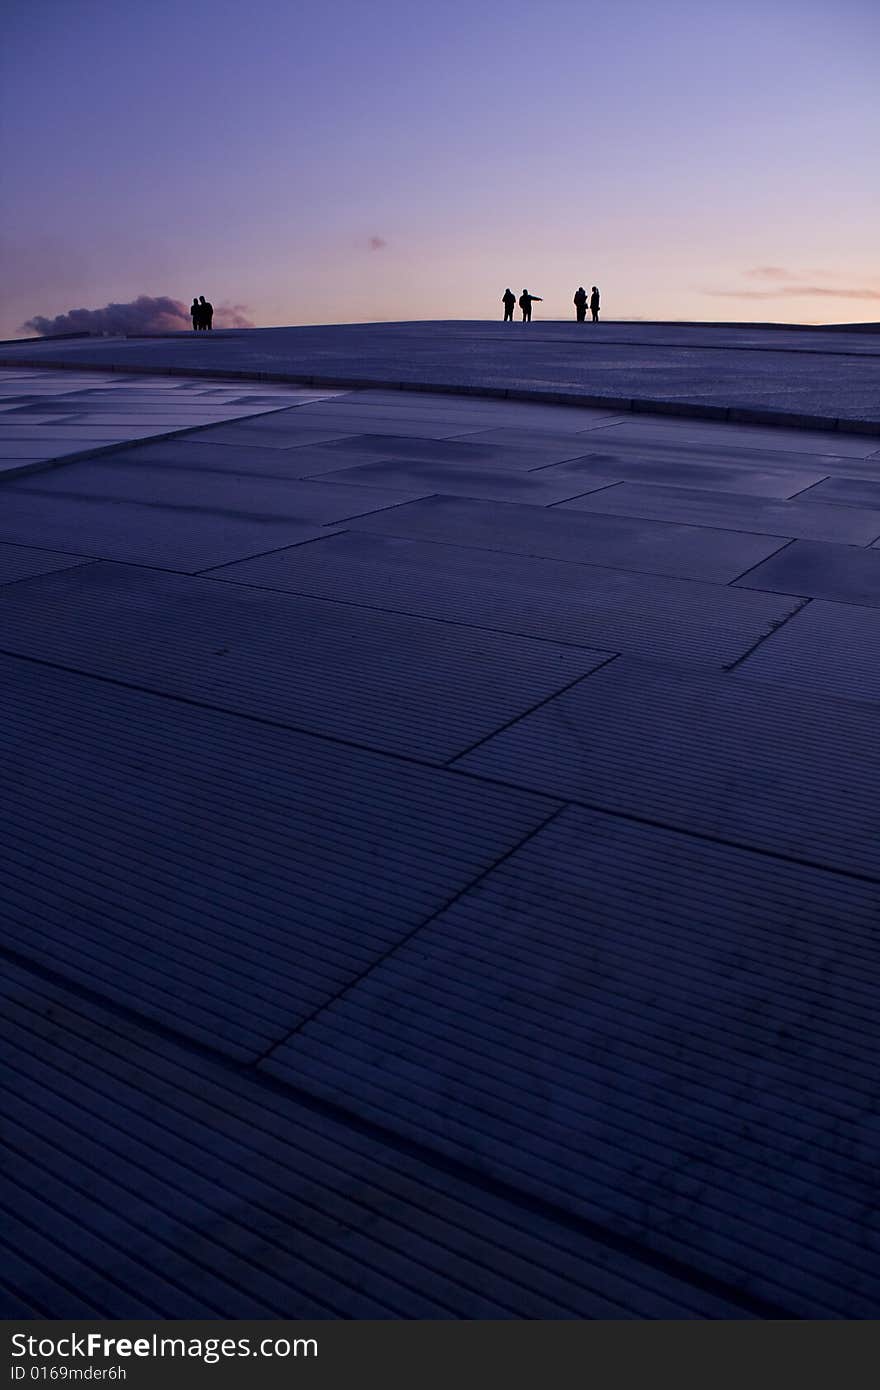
(352, 161)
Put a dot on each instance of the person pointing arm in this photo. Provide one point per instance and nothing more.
(525, 303)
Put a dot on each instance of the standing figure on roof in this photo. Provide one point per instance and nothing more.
(526, 301)
(594, 304)
(508, 299)
(580, 303)
(207, 312)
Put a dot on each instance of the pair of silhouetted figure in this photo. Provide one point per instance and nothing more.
(202, 314)
(508, 299)
(580, 304)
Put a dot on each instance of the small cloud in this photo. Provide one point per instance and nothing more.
(232, 316)
(831, 293)
(377, 243)
(770, 272)
(146, 314)
(797, 292)
(743, 294)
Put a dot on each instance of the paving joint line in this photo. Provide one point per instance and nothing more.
(841, 602)
(156, 505)
(53, 550)
(758, 563)
(657, 521)
(779, 856)
(564, 560)
(775, 627)
(408, 936)
(591, 492)
(576, 458)
(393, 612)
(552, 559)
(48, 549)
(200, 509)
(524, 714)
(503, 445)
(176, 465)
(407, 758)
(809, 487)
(133, 564)
(640, 447)
(261, 555)
(374, 511)
(43, 574)
(253, 444)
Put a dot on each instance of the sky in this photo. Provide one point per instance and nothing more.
(347, 161)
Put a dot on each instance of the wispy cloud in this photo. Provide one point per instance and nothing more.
(377, 243)
(232, 316)
(770, 272)
(798, 292)
(146, 314)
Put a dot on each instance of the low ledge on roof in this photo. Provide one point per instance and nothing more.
(806, 378)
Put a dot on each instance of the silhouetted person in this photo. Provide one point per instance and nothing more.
(594, 304)
(525, 303)
(580, 303)
(207, 314)
(195, 310)
(508, 299)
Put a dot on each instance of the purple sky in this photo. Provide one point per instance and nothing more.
(354, 161)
